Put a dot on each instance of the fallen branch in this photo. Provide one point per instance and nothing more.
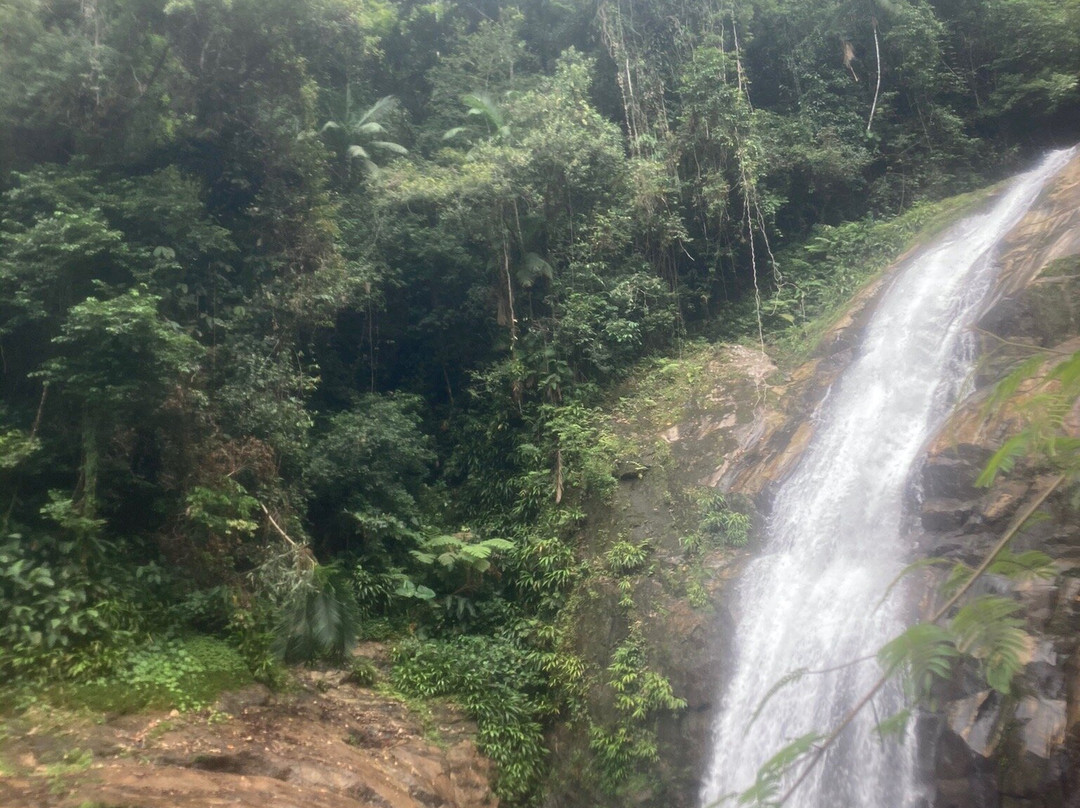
(279, 529)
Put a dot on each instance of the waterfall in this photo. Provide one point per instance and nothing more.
(836, 537)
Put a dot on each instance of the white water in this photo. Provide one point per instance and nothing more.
(836, 539)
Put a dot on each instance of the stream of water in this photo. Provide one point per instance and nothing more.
(837, 536)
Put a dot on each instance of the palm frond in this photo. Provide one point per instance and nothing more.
(320, 619)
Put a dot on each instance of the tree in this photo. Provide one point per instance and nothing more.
(358, 132)
(118, 363)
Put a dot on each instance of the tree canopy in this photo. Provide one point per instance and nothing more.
(286, 285)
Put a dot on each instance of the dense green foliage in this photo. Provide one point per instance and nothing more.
(500, 684)
(347, 280)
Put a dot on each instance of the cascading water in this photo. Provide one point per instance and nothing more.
(835, 541)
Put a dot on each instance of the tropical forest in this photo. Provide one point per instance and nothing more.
(532, 403)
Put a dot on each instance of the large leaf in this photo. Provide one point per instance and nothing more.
(987, 630)
(924, 653)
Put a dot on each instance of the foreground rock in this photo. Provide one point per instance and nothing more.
(1022, 751)
(329, 744)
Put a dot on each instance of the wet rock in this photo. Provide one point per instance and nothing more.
(1038, 598)
(975, 721)
(1004, 499)
(954, 758)
(941, 515)
(950, 475)
(966, 792)
(1042, 725)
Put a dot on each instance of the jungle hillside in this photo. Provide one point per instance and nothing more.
(312, 314)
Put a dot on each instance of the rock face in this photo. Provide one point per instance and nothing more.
(739, 428)
(1023, 750)
(726, 407)
(324, 744)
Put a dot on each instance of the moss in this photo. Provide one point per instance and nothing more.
(187, 673)
(1052, 301)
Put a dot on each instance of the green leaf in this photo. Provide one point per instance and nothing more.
(924, 654)
(987, 630)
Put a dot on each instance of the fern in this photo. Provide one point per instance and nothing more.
(987, 630)
(1008, 387)
(1026, 567)
(959, 577)
(1004, 459)
(925, 653)
(1047, 409)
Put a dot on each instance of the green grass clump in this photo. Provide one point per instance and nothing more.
(182, 673)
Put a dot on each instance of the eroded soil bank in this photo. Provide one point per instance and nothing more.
(323, 743)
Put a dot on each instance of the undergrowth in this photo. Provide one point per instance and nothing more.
(183, 673)
(500, 685)
(819, 276)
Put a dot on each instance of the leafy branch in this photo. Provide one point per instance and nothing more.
(985, 628)
(896, 655)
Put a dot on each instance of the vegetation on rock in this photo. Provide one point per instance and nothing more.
(311, 313)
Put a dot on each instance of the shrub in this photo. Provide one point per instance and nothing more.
(499, 685)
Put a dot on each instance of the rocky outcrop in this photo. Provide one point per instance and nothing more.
(740, 428)
(1021, 750)
(727, 404)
